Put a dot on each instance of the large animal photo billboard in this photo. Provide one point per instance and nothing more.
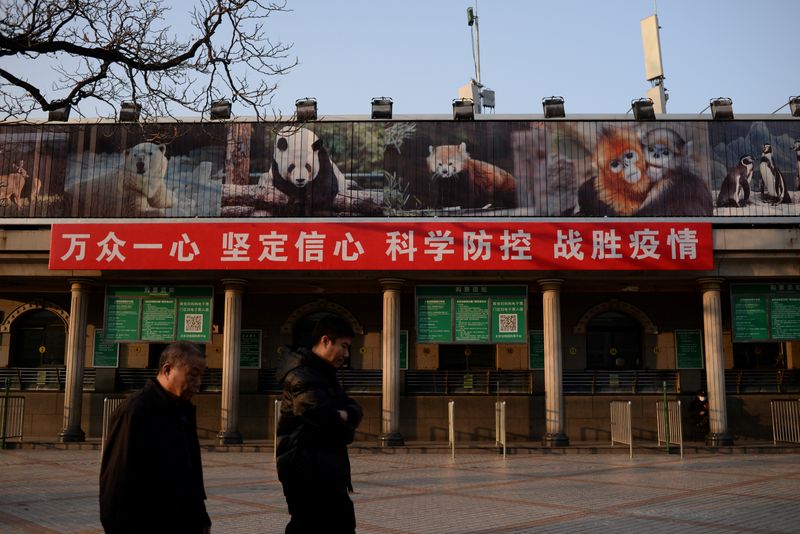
(486, 168)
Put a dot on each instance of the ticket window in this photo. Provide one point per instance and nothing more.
(614, 342)
(467, 357)
(767, 355)
(38, 339)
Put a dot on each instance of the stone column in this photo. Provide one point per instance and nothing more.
(75, 353)
(231, 329)
(554, 400)
(390, 354)
(715, 362)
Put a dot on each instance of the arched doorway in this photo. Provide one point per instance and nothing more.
(38, 339)
(613, 342)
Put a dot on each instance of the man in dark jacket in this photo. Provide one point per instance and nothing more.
(151, 477)
(316, 424)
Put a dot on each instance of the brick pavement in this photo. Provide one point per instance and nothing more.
(47, 491)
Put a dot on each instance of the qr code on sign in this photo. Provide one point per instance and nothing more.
(193, 323)
(508, 323)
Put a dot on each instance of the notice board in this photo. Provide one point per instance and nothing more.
(158, 314)
(471, 314)
(765, 312)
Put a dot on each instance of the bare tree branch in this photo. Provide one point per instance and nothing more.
(108, 51)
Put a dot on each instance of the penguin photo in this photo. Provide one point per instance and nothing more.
(735, 189)
(774, 186)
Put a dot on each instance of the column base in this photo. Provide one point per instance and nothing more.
(71, 435)
(555, 440)
(391, 439)
(719, 440)
(229, 438)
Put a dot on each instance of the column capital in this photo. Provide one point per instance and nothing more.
(550, 284)
(711, 283)
(389, 284)
(81, 283)
(234, 283)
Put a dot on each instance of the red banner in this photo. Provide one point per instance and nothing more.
(398, 245)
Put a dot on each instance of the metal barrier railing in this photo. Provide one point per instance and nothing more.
(477, 382)
(615, 382)
(500, 425)
(738, 381)
(669, 422)
(621, 424)
(110, 405)
(451, 427)
(785, 421)
(12, 411)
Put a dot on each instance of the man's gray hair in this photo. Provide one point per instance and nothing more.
(178, 353)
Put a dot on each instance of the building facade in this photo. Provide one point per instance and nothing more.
(556, 264)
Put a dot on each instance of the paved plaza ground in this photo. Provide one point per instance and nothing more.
(47, 491)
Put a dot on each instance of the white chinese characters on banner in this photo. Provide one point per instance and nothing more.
(384, 245)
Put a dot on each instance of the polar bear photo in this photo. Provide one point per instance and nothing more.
(136, 188)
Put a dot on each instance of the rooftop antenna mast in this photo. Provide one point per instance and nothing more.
(475, 34)
(654, 69)
(482, 97)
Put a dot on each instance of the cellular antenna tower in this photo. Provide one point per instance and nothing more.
(654, 69)
(481, 96)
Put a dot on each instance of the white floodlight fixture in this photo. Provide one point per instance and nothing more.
(381, 107)
(553, 107)
(129, 112)
(643, 109)
(220, 110)
(306, 109)
(463, 109)
(722, 108)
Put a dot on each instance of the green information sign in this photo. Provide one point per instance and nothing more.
(403, 349)
(250, 349)
(144, 313)
(106, 354)
(750, 321)
(784, 313)
(689, 349)
(536, 349)
(122, 318)
(472, 319)
(158, 319)
(764, 312)
(194, 319)
(435, 320)
(508, 320)
(471, 314)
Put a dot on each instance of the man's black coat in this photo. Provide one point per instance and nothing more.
(151, 477)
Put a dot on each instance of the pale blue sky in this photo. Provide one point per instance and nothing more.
(589, 52)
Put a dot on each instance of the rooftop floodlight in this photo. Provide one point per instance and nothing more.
(59, 114)
(553, 107)
(721, 108)
(643, 109)
(381, 107)
(463, 109)
(220, 110)
(306, 109)
(129, 112)
(794, 105)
